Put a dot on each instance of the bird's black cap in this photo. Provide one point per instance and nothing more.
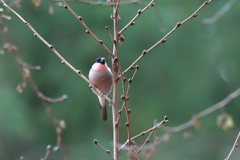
(100, 60)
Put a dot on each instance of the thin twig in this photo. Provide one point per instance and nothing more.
(107, 151)
(103, 3)
(88, 31)
(58, 129)
(37, 68)
(127, 92)
(22, 65)
(193, 121)
(164, 38)
(125, 98)
(6, 17)
(204, 113)
(233, 148)
(107, 30)
(137, 15)
(52, 100)
(143, 133)
(147, 140)
(55, 51)
(220, 13)
(157, 141)
(47, 152)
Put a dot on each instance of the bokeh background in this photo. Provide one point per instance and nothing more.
(197, 67)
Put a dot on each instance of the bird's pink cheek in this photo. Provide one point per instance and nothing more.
(99, 67)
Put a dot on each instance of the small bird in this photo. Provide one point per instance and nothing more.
(101, 76)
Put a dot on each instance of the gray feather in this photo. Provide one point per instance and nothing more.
(104, 113)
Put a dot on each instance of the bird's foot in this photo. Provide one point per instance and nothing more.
(93, 87)
(102, 94)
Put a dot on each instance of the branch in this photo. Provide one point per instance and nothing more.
(191, 122)
(107, 151)
(52, 100)
(55, 51)
(204, 113)
(100, 3)
(107, 30)
(163, 40)
(47, 152)
(88, 31)
(220, 13)
(138, 14)
(143, 133)
(234, 146)
(26, 74)
(37, 68)
(125, 98)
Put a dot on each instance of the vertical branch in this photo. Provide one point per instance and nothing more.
(115, 83)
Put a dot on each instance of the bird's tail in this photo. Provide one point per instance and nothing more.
(104, 112)
(103, 108)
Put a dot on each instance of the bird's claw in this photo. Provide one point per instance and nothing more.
(94, 87)
(102, 93)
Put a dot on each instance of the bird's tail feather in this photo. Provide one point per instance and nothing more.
(104, 113)
(103, 108)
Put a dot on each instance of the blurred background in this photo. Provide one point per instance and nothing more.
(197, 67)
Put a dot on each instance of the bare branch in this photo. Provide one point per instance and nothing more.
(125, 96)
(125, 99)
(88, 31)
(137, 15)
(5, 16)
(107, 151)
(193, 121)
(52, 100)
(37, 68)
(47, 152)
(143, 133)
(234, 146)
(147, 140)
(204, 113)
(26, 74)
(103, 3)
(107, 30)
(55, 51)
(220, 13)
(163, 40)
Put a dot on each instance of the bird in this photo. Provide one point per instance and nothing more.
(101, 77)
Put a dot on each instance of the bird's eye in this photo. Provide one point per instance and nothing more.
(102, 60)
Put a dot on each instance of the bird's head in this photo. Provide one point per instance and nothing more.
(99, 64)
(100, 60)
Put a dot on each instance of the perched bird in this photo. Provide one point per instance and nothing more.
(101, 76)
